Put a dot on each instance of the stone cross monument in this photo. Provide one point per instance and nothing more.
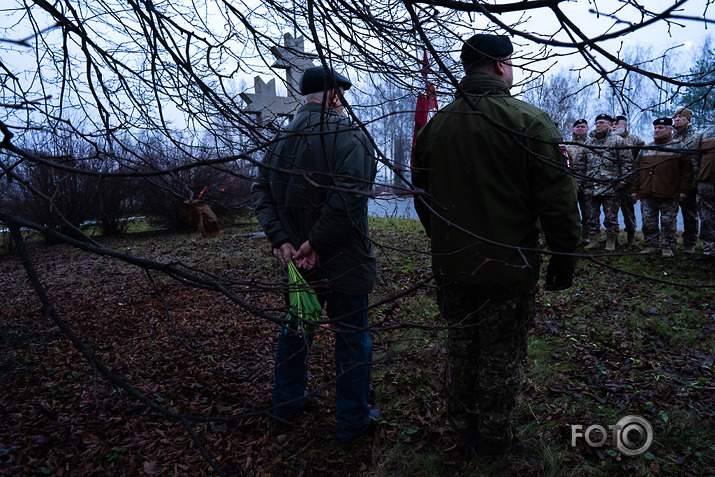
(264, 102)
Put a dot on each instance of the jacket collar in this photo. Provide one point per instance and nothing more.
(316, 107)
(479, 84)
(599, 136)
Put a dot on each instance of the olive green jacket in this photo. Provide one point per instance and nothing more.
(313, 184)
(489, 176)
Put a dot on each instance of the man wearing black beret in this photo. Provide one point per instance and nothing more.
(663, 178)
(635, 143)
(310, 198)
(607, 165)
(488, 168)
(578, 136)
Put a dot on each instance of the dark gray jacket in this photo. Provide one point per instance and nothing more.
(313, 184)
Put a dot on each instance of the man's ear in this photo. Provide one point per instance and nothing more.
(331, 97)
(499, 64)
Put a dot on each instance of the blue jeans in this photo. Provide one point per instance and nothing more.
(353, 364)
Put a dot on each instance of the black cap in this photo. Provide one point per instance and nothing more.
(483, 45)
(605, 117)
(621, 118)
(318, 79)
(580, 121)
(663, 121)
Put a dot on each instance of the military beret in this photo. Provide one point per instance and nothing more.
(663, 121)
(683, 111)
(605, 117)
(580, 121)
(318, 79)
(621, 118)
(483, 45)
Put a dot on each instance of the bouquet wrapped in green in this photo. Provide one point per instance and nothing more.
(304, 305)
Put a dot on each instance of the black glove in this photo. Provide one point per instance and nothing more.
(558, 277)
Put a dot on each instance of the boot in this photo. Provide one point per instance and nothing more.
(610, 243)
(648, 250)
(593, 243)
(666, 252)
(631, 237)
(689, 249)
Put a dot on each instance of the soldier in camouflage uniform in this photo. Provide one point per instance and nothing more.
(491, 166)
(606, 163)
(620, 127)
(690, 139)
(705, 180)
(579, 136)
(663, 177)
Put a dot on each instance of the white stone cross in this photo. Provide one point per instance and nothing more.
(264, 102)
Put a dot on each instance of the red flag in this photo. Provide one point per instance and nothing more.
(425, 102)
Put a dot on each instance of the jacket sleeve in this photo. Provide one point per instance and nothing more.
(555, 194)
(353, 172)
(636, 177)
(265, 206)
(420, 181)
(582, 158)
(687, 174)
(625, 159)
(697, 145)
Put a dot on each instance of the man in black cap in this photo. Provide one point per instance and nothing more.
(635, 143)
(663, 178)
(310, 198)
(579, 136)
(487, 168)
(607, 165)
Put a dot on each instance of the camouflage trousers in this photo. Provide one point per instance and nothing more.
(651, 207)
(689, 209)
(610, 206)
(706, 208)
(485, 349)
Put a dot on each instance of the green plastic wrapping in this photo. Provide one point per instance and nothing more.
(304, 306)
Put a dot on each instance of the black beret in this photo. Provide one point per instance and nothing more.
(605, 117)
(483, 45)
(663, 121)
(318, 79)
(580, 121)
(621, 118)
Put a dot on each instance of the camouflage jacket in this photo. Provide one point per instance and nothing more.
(573, 151)
(634, 142)
(705, 161)
(663, 171)
(690, 139)
(606, 163)
(688, 136)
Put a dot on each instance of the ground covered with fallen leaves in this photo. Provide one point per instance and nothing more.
(191, 366)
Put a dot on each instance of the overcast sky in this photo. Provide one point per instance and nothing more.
(541, 22)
